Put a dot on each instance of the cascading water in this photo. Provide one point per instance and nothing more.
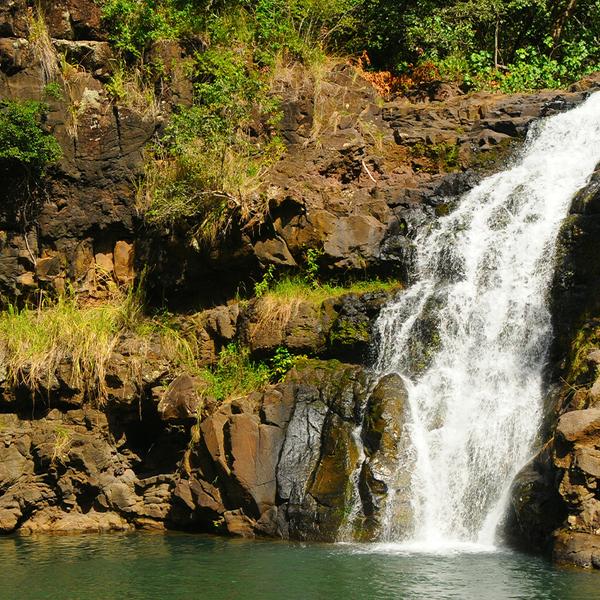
(471, 334)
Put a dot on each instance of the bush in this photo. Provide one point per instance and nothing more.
(134, 25)
(24, 143)
(282, 362)
(213, 156)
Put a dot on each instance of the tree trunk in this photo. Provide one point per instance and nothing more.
(561, 19)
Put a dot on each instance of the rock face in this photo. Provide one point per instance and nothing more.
(278, 463)
(385, 473)
(152, 451)
(357, 187)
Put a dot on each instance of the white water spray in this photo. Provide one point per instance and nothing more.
(471, 335)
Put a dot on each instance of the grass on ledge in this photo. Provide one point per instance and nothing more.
(299, 288)
(234, 375)
(34, 343)
(279, 300)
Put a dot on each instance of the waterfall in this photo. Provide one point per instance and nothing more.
(470, 336)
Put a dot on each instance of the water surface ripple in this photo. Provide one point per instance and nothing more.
(181, 567)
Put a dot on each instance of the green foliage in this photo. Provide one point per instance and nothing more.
(234, 375)
(135, 24)
(282, 362)
(213, 156)
(264, 285)
(288, 289)
(53, 90)
(23, 141)
(311, 268)
(208, 166)
(441, 157)
(509, 44)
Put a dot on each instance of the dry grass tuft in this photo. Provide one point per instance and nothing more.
(36, 342)
(129, 87)
(79, 339)
(41, 43)
(274, 313)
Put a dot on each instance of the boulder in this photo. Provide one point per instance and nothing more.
(579, 549)
(579, 425)
(386, 472)
(181, 400)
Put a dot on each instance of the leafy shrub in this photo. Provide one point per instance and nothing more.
(134, 25)
(312, 267)
(214, 155)
(282, 362)
(24, 143)
(262, 287)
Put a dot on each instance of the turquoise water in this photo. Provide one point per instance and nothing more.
(177, 567)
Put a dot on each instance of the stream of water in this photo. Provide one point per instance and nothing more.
(470, 336)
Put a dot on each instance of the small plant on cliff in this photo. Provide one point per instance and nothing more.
(234, 375)
(311, 268)
(24, 143)
(282, 362)
(62, 445)
(41, 43)
(262, 287)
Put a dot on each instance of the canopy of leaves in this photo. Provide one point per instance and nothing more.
(516, 44)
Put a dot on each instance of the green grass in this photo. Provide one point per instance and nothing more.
(36, 342)
(234, 375)
(298, 288)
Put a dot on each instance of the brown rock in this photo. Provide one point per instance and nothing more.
(73, 19)
(239, 524)
(91, 55)
(47, 268)
(57, 521)
(123, 262)
(27, 280)
(181, 400)
(588, 460)
(579, 549)
(578, 425)
(274, 251)
(104, 262)
(255, 451)
(13, 466)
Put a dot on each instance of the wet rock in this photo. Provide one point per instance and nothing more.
(536, 507)
(385, 474)
(575, 290)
